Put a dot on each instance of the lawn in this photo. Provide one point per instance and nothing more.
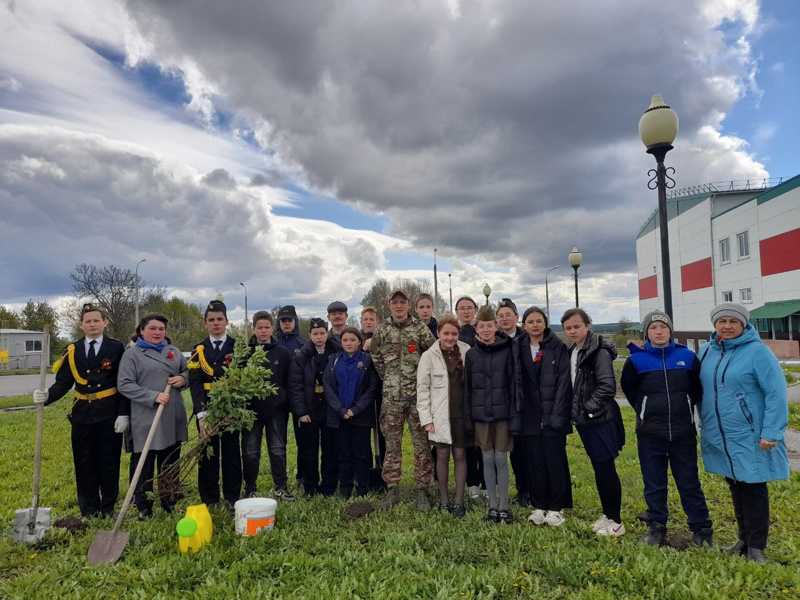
(398, 553)
(794, 416)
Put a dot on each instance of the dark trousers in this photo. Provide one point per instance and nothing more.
(751, 507)
(208, 468)
(609, 488)
(475, 467)
(519, 464)
(353, 455)
(550, 484)
(275, 428)
(296, 429)
(655, 455)
(96, 452)
(381, 449)
(313, 438)
(168, 491)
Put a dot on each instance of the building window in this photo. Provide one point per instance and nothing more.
(745, 295)
(727, 296)
(725, 251)
(743, 239)
(33, 345)
(690, 345)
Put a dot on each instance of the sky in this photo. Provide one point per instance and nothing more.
(307, 148)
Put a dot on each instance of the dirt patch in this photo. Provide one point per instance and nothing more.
(679, 540)
(72, 524)
(357, 510)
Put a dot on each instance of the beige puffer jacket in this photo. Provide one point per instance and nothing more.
(433, 392)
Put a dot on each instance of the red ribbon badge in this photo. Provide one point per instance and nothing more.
(171, 356)
(106, 364)
(412, 347)
(228, 359)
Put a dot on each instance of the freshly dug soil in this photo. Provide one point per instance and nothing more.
(357, 510)
(72, 524)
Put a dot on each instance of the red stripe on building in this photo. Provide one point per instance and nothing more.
(648, 287)
(780, 253)
(696, 275)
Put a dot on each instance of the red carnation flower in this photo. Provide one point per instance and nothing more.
(171, 356)
(412, 347)
(228, 359)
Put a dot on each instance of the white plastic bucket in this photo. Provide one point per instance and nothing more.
(254, 515)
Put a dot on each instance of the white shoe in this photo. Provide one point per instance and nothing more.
(600, 524)
(474, 492)
(612, 529)
(554, 518)
(537, 517)
(485, 494)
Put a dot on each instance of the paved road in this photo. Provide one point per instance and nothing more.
(14, 385)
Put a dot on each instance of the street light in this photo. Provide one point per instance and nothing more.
(658, 128)
(450, 279)
(487, 292)
(136, 283)
(246, 320)
(547, 291)
(575, 258)
(435, 283)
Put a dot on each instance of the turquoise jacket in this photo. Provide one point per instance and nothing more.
(744, 400)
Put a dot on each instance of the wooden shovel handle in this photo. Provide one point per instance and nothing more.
(37, 459)
(142, 459)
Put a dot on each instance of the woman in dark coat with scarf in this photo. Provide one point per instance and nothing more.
(544, 399)
(596, 414)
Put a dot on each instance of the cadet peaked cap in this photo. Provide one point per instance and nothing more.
(287, 312)
(337, 306)
(730, 309)
(400, 291)
(508, 303)
(217, 306)
(317, 322)
(656, 316)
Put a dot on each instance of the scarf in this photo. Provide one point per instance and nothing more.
(140, 343)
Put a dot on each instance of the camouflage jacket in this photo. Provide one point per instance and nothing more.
(396, 349)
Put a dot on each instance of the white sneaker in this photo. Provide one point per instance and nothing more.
(537, 517)
(600, 524)
(474, 492)
(612, 529)
(485, 494)
(554, 518)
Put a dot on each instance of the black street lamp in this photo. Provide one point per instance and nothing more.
(547, 291)
(487, 291)
(136, 283)
(246, 319)
(575, 258)
(450, 279)
(658, 128)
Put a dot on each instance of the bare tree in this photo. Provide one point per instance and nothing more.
(378, 295)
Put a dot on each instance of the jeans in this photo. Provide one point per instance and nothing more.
(275, 428)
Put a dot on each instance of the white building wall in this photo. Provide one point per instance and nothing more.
(741, 273)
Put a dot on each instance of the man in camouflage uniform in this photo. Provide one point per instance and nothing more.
(396, 347)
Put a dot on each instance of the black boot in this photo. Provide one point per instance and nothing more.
(656, 534)
(703, 537)
(755, 555)
(740, 547)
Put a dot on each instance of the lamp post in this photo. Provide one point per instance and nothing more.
(487, 292)
(136, 282)
(246, 319)
(450, 279)
(547, 291)
(435, 283)
(658, 128)
(575, 258)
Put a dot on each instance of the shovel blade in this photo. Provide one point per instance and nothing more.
(107, 547)
(23, 519)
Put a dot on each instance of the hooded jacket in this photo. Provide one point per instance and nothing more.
(551, 400)
(489, 384)
(744, 401)
(594, 389)
(303, 379)
(364, 406)
(663, 386)
(278, 361)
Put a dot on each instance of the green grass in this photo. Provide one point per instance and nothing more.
(794, 416)
(398, 553)
(4, 372)
(792, 368)
(14, 401)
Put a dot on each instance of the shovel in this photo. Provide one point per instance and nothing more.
(376, 482)
(108, 546)
(31, 524)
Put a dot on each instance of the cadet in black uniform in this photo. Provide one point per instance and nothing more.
(205, 367)
(99, 415)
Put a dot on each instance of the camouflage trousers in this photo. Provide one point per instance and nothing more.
(393, 416)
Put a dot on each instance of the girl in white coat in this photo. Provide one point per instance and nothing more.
(440, 397)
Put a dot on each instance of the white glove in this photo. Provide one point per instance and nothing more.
(39, 396)
(122, 424)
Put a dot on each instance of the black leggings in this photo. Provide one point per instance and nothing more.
(609, 488)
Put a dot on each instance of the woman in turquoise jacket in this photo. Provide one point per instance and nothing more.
(744, 414)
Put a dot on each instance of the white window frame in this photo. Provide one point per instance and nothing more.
(727, 244)
(729, 298)
(739, 236)
(33, 344)
(746, 292)
(690, 344)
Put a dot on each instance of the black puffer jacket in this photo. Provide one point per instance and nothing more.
(278, 361)
(595, 387)
(468, 335)
(489, 384)
(546, 408)
(303, 378)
